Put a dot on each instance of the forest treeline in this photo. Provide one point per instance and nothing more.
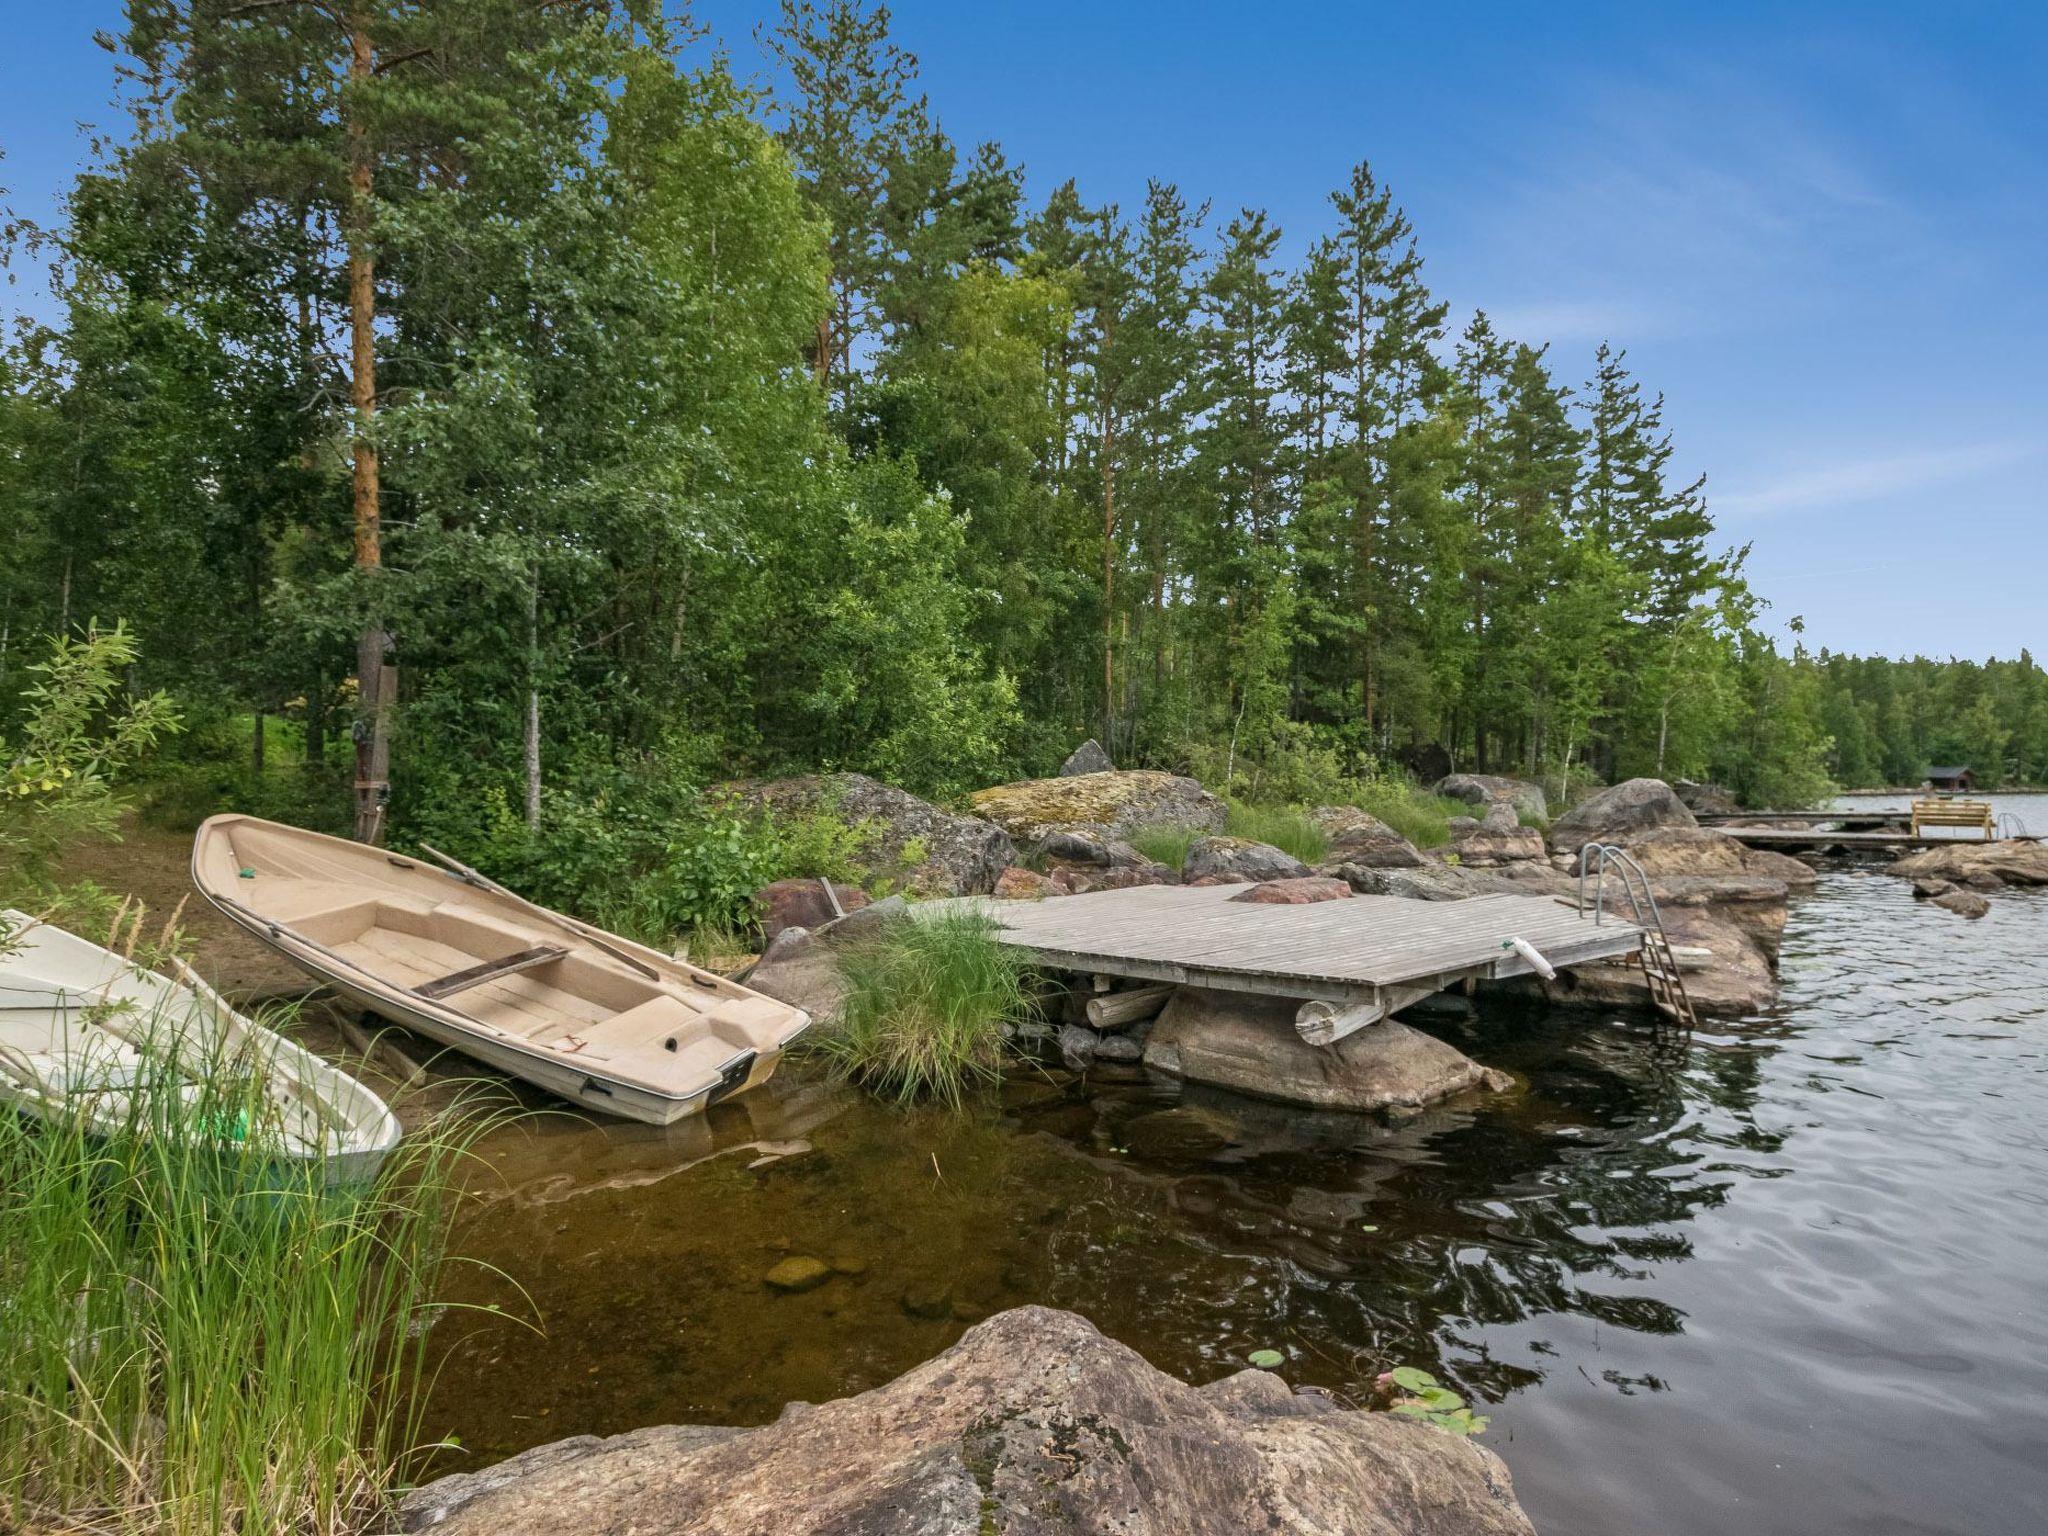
(509, 396)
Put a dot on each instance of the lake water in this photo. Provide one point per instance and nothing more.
(1786, 1275)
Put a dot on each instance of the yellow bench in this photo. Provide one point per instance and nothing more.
(1953, 813)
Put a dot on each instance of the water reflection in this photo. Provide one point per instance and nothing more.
(1680, 1267)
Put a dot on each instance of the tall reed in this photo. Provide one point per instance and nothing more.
(927, 1002)
(198, 1333)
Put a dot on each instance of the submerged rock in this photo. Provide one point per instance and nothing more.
(798, 1272)
(912, 840)
(1615, 815)
(931, 1301)
(1086, 758)
(1185, 1132)
(1962, 903)
(1033, 1424)
(1238, 858)
(1110, 805)
(1248, 1044)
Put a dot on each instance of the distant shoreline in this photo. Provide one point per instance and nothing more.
(1872, 794)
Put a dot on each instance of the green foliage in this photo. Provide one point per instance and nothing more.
(205, 1336)
(733, 433)
(1432, 1403)
(1289, 830)
(928, 1003)
(77, 736)
(1424, 819)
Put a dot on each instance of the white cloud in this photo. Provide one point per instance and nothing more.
(1874, 477)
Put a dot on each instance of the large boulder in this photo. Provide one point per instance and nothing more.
(1239, 858)
(797, 969)
(1300, 891)
(1020, 884)
(909, 840)
(1732, 978)
(1086, 758)
(1484, 789)
(1033, 1424)
(1108, 805)
(1354, 837)
(1710, 852)
(1429, 882)
(1248, 1044)
(2009, 862)
(1705, 799)
(1489, 842)
(804, 904)
(1616, 815)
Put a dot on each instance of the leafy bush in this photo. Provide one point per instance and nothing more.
(1289, 830)
(79, 735)
(925, 1010)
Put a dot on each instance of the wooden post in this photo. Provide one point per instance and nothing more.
(1321, 1022)
(1113, 1010)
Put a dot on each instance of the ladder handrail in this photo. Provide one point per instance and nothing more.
(1603, 854)
(1659, 966)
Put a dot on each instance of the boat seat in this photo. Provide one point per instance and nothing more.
(651, 1023)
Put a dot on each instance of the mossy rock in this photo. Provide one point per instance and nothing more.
(1114, 804)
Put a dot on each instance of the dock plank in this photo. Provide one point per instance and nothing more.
(1356, 948)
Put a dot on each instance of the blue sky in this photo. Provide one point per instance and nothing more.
(1821, 231)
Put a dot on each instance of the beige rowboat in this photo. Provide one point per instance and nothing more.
(607, 1023)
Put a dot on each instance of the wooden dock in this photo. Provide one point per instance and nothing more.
(1847, 820)
(1388, 951)
(1821, 837)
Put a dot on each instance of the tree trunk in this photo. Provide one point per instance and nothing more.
(1108, 582)
(533, 703)
(256, 746)
(376, 677)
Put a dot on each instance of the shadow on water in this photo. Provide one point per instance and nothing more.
(1776, 1272)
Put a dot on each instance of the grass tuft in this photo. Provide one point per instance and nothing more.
(925, 1009)
(200, 1334)
(1285, 828)
(1165, 845)
(1424, 819)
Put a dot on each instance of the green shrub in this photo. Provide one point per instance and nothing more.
(1289, 830)
(925, 1009)
(1165, 845)
(78, 735)
(200, 1334)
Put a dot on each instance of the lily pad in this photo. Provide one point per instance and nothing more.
(1267, 1359)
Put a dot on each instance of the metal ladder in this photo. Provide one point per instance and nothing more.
(1659, 964)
